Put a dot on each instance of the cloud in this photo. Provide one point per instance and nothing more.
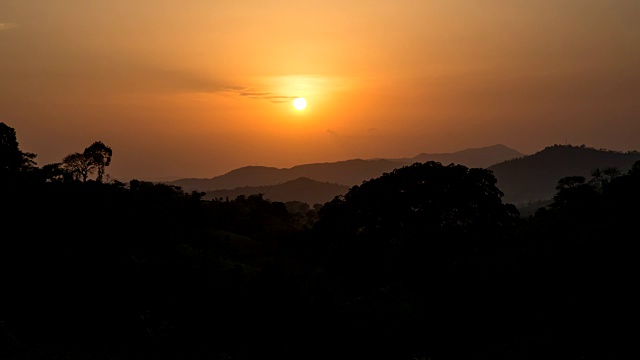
(284, 85)
(233, 88)
(6, 26)
(254, 94)
(268, 96)
(162, 79)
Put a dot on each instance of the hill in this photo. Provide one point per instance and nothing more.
(471, 158)
(524, 179)
(348, 172)
(301, 189)
(534, 177)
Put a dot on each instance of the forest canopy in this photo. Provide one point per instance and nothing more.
(425, 261)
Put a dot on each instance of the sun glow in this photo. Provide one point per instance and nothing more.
(300, 103)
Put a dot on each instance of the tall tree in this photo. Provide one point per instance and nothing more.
(12, 159)
(80, 165)
(417, 217)
(100, 154)
(421, 199)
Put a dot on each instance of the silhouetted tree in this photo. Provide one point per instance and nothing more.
(569, 182)
(56, 172)
(575, 192)
(411, 221)
(79, 165)
(610, 173)
(12, 159)
(597, 178)
(410, 239)
(419, 201)
(100, 154)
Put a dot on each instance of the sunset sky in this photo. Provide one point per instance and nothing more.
(198, 88)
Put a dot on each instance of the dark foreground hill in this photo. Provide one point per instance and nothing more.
(424, 262)
(348, 172)
(534, 177)
(301, 189)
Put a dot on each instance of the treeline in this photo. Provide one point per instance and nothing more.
(424, 262)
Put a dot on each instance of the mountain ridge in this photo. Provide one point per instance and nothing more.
(346, 172)
(522, 179)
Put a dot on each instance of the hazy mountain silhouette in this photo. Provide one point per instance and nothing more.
(472, 158)
(348, 172)
(301, 189)
(534, 177)
(523, 178)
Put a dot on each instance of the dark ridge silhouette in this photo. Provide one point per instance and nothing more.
(349, 172)
(301, 189)
(473, 158)
(244, 176)
(533, 177)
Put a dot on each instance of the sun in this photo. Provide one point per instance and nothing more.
(300, 103)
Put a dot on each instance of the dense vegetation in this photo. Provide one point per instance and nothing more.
(424, 262)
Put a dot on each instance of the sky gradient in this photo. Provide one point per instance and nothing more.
(198, 88)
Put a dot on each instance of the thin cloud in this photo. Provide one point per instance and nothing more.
(233, 88)
(268, 97)
(277, 99)
(254, 94)
(6, 26)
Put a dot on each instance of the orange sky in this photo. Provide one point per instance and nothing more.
(198, 88)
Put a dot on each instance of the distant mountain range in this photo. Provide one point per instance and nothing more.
(471, 158)
(524, 179)
(349, 172)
